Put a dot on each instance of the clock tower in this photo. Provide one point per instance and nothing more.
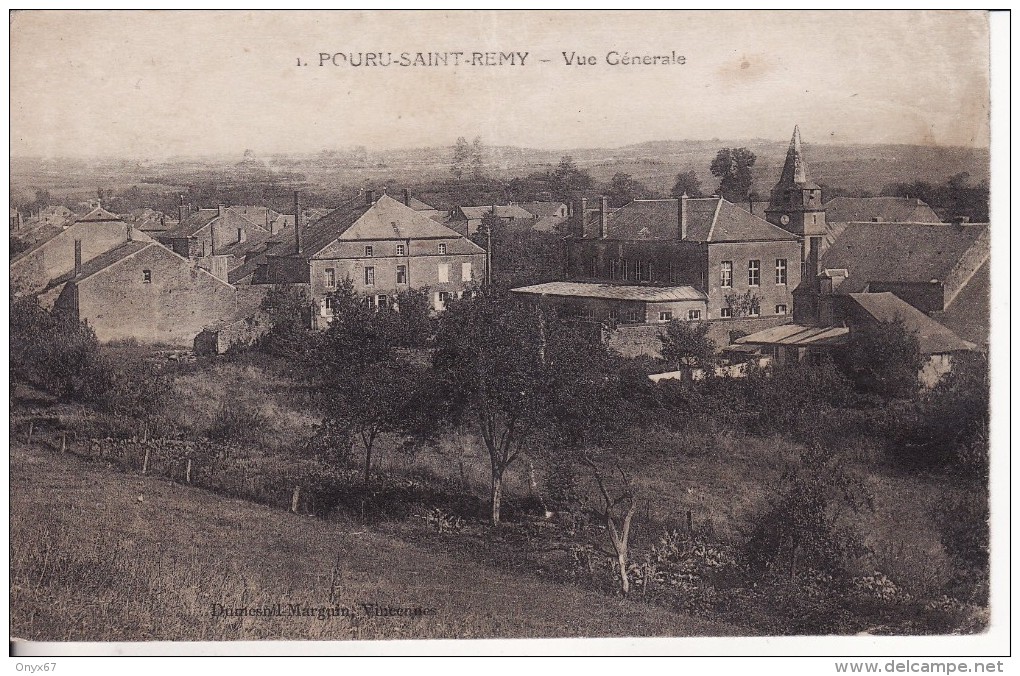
(796, 206)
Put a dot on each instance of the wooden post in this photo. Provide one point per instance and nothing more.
(145, 463)
(63, 442)
(187, 472)
(294, 499)
(31, 429)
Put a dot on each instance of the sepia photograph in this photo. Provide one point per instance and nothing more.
(374, 326)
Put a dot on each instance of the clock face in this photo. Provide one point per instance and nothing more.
(784, 219)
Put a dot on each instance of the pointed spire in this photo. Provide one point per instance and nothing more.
(795, 170)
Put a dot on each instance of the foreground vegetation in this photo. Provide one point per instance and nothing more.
(802, 499)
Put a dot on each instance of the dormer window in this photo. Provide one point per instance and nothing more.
(401, 250)
(368, 251)
(442, 249)
(146, 276)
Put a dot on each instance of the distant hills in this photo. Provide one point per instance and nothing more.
(848, 166)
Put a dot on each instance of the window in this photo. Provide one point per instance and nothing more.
(442, 297)
(780, 309)
(444, 272)
(442, 249)
(755, 311)
(665, 316)
(327, 306)
(726, 312)
(593, 268)
(382, 301)
(694, 315)
(634, 316)
(368, 251)
(726, 274)
(369, 276)
(780, 271)
(330, 278)
(614, 315)
(401, 274)
(754, 273)
(401, 250)
(465, 272)
(146, 276)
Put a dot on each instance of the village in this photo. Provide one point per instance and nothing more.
(724, 411)
(787, 278)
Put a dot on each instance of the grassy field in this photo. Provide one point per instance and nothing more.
(98, 554)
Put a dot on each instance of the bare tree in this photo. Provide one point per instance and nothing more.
(616, 512)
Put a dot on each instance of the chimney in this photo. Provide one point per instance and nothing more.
(182, 212)
(581, 211)
(130, 232)
(876, 219)
(77, 257)
(603, 217)
(370, 197)
(297, 222)
(681, 215)
(241, 235)
(221, 208)
(960, 220)
(407, 197)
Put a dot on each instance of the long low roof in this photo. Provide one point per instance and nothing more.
(647, 294)
(796, 335)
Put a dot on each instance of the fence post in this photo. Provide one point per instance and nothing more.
(294, 499)
(31, 429)
(63, 442)
(187, 472)
(145, 463)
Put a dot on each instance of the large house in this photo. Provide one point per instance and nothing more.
(143, 291)
(384, 247)
(99, 231)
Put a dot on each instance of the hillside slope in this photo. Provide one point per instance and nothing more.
(102, 555)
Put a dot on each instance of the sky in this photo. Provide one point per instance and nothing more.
(164, 83)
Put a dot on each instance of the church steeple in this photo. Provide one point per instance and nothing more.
(795, 170)
(796, 201)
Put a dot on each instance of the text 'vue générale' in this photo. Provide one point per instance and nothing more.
(491, 58)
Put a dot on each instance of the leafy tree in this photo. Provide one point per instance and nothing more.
(733, 167)
(289, 334)
(461, 158)
(623, 188)
(687, 345)
(743, 305)
(476, 157)
(882, 358)
(809, 523)
(687, 182)
(567, 179)
(490, 366)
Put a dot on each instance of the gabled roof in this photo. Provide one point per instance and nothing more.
(105, 260)
(502, 211)
(193, 223)
(99, 215)
(710, 219)
(418, 205)
(626, 292)
(386, 219)
(933, 338)
(543, 209)
(892, 209)
(899, 252)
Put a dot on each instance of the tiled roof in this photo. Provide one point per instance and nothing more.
(899, 252)
(892, 209)
(502, 211)
(710, 219)
(647, 294)
(386, 219)
(934, 338)
(543, 209)
(796, 335)
(968, 314)
(105, 260)
(193, 223)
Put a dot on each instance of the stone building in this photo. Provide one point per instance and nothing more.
(384, 247)
(99, 231)
(142, 290)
